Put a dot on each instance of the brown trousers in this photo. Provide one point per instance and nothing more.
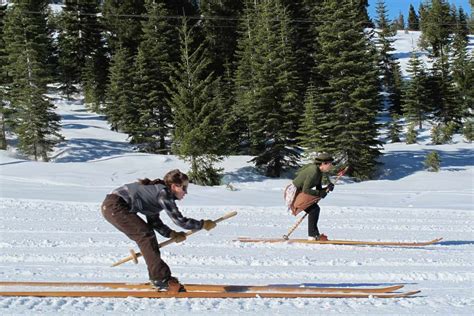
(117, 212)
(302, 202)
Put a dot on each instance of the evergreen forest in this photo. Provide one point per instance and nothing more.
(278, 80)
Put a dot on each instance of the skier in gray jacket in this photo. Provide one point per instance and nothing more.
(150, 198)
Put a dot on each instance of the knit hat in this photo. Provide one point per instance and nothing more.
(323, 157)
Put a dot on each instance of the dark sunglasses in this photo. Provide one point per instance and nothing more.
(185, 187)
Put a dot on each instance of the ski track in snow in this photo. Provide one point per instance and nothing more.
(70, 241)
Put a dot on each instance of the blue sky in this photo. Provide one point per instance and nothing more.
(394, 7)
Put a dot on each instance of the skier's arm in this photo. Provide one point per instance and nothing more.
(308, 188)
(173, 212)
(158, 225)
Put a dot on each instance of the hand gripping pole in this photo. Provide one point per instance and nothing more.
(135, 255)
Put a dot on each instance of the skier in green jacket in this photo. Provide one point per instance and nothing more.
(308, 183)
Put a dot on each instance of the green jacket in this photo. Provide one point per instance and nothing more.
(307, 178)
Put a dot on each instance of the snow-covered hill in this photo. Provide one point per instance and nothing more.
(51, 229)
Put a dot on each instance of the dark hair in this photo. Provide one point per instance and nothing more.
(172, 177)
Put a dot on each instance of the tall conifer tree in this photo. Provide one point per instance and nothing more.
(5, 110)
(390, 70)
(28, 45)
(349, 88)
(197, 111)
(462, 66)
(80, 43)
(311, 134)
(219, 23)
(121, 112)
(266, 86)
(123, 23)
(443, 93)
(152, 71)
(416, 105)
(436, 26)
(413, 20)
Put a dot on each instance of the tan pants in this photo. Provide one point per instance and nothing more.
(303, 201)
(117, 212)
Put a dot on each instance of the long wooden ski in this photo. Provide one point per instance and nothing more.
(210, 287)
(203, 294)
(340, 242)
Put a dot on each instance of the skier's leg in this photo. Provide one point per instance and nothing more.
(116, 211)
(313, 217)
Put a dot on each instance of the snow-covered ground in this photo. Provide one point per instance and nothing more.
(51, 229)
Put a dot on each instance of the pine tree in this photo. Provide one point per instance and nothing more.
(81, 52)
(399, 23)
(123, 25)
(95, 79)
(390, 71)
(436, 134)
(302, 15)
(5, 110)
(27, 46)
(394, 128)
(349, 88)
(432, 161)
(362, 14)
(310, 133)
(462, 67)
(266, 86)
(415, 98)
(152, 72)
(443, 92)
(436, 26)
(219, 26)
(411, 134)
(413, 20)
(119, 108)
(69, 48)
(195, 100)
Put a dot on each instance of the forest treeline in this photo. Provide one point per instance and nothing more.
(275, 79)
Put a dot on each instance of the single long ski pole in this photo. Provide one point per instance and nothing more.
(135, 255)
(293, 228)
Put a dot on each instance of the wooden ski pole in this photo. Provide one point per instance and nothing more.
(135, 255)
(293, 228)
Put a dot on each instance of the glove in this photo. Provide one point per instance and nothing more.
(323, 194)
(178, 236)
(330, 187)
(208, 224)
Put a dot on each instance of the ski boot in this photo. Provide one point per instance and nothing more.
(170, 284)
(320, 237)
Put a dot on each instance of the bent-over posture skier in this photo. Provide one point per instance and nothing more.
(150, 197)
(309, 190)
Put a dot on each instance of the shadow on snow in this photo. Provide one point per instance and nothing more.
(400, 164)
(87, 149)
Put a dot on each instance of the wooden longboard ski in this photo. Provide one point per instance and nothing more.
(211, 287)
(203, 294)
(341, 242)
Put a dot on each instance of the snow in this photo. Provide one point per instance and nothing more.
(51, 229)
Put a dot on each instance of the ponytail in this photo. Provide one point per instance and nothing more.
(147, 181)
(172, 177)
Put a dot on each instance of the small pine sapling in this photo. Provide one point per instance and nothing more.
(411, 134)
(436, 134)
(468, 130)
(432, 161)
